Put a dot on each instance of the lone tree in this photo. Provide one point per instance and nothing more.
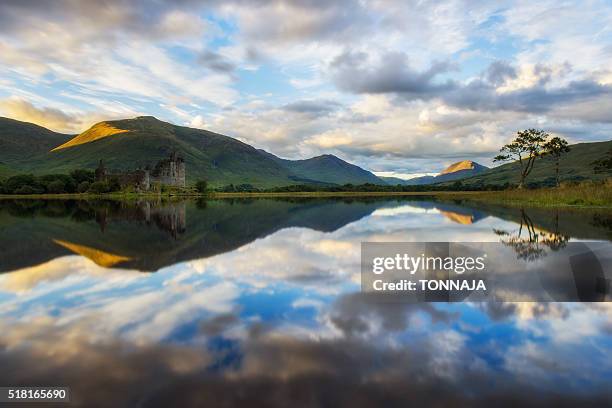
(556, 147)
(604, 164)
(525, 148)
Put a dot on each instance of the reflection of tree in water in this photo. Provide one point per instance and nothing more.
(602, 221)
(533, 245)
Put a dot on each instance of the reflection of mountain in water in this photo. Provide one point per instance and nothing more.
(148, 235)
(456, 213)
(99, 257)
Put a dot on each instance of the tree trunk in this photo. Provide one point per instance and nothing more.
(557, 172)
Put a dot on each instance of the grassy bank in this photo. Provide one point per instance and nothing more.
(340, 194)
(133, 196)
(577, 195)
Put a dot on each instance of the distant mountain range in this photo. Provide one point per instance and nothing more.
(221, 160)
(455, 171)
(131, 143)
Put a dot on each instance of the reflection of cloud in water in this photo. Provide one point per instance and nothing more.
(395, 364)
(57, 271)
(154, 314)
(404, 209)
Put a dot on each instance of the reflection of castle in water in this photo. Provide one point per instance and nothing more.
(167, 217)
(167, 172)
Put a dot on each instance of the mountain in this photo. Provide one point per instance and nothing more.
(393, 181)
(131, 143)
(22, 139)
(455, 171)
(326, 168)
(573, 166)
(465, 165)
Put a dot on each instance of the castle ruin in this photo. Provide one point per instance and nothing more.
(167, 172)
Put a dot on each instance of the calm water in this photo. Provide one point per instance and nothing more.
(258, 303)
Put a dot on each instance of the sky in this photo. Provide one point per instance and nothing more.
(400, 88)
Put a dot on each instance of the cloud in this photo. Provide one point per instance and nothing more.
(391, 74)
(160, 20)
(499, 72)
(58, 120)
(216, 62)
(313, 107)
(27, 112)
(293, 21)
(482, 96)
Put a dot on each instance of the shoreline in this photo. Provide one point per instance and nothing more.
(543, 198)
(236, 194)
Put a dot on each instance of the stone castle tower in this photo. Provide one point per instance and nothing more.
(170, 171)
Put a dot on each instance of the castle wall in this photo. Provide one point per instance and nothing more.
(139, 179)
(170, 173)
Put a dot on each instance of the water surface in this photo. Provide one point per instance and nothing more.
(258, 302)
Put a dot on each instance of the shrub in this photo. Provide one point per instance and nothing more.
(62, 183)
(83, 186)
(16, 182)
(113, 184)
(202, 186)
(27, 189)
(81, 175)
(99, 187)
(56, 187)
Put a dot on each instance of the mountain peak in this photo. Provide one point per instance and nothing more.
(97, 131)
(108, 128)
(147, 118)
(462, 165)
(329, 157)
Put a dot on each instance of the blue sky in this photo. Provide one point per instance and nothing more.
(397, 87)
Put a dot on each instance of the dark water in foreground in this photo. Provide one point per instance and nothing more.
(258, 303)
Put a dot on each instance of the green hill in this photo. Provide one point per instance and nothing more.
(574, 166)
(132, 143)
(19, 140)
(326, 168)
(145, 140)
(393, 181)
